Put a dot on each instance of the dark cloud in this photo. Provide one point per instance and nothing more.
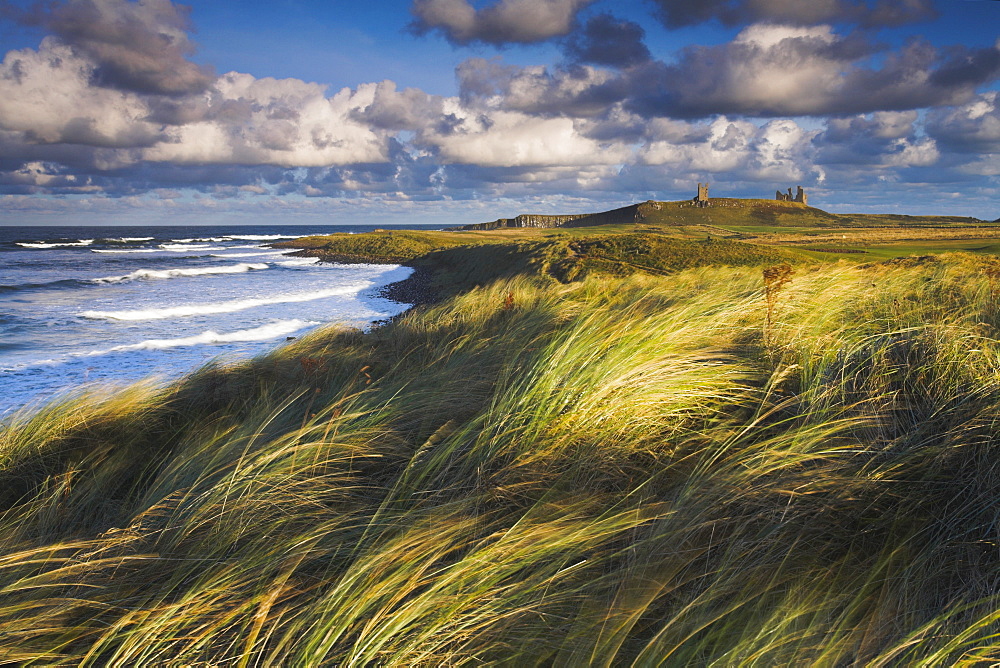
(884, 138)
(137, 46)
(973, 128)
(766, 71)
(968, 67)
(606, 40)
(680, 13)
(503, 22)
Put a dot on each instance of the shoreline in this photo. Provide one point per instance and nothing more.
(417, 289)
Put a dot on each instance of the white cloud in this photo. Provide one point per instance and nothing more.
(779, 150)
(510, 138)
(48, 96)
(283, 122)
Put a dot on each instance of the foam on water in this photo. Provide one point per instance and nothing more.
(260, 237)
(223, 307)
(177, 273)
(158, 301)
(124, 250)
(67, 244)
(267, 254)
(299, 262)
(262, 333)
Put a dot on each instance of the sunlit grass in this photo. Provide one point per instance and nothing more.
(607, 472)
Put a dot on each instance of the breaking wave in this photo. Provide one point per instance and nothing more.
(299, 262)
(133, 250)
(263, 333)
(267, 254)
(56, 244)
(175, 273)
(222, 307)
(262, 237)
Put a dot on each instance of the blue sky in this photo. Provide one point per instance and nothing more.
(451, 111)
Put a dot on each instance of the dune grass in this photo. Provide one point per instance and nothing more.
(616, 471)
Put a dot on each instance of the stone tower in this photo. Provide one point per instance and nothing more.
(702, 198)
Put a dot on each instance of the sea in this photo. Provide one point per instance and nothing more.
(82, 305)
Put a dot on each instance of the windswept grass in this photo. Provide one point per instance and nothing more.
(607, 472)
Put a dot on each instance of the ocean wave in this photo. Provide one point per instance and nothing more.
(126, 240)
(175, 273)
(267, 254)
(200, 240)
(61, 283)
(263, 333)
(132, 250)
(56, 244)
(222, 307)
(299, 262)
(171, 247)
(262, 237)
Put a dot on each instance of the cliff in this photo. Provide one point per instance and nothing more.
(525, 220)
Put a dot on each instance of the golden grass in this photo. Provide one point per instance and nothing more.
(608, 472)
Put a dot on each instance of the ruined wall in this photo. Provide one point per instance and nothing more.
(799, 196)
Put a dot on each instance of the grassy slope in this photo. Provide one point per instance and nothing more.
(608, 471)
(463, 259)
(753, 215)
(801, 231)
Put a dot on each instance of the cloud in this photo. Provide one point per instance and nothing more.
(577, 91)
(777, 151)
(770, 70)
(284, 122)
(503, 138)
(48, 96)
(605, 126)
(136, 46)
(393, 109)
(503, 22)
(767, 70)
(681, 13)
(606, 40)
(877, 141)
(970, 128)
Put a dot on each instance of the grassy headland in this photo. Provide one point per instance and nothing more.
(802, 231)
(655, 459)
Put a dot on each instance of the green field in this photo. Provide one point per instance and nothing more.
(601, 446)
(799, 231)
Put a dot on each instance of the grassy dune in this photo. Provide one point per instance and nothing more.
(611, 471)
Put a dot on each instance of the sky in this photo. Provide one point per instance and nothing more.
(445, 112)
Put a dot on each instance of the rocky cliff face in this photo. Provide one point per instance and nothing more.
(634, 213)
(525, 220)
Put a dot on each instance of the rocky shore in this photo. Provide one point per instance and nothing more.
(417, 289)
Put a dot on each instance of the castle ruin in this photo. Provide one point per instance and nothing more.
(800, 196)
(701, 199)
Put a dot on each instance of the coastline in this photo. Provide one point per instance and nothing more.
(417, 289)
(470, 451)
